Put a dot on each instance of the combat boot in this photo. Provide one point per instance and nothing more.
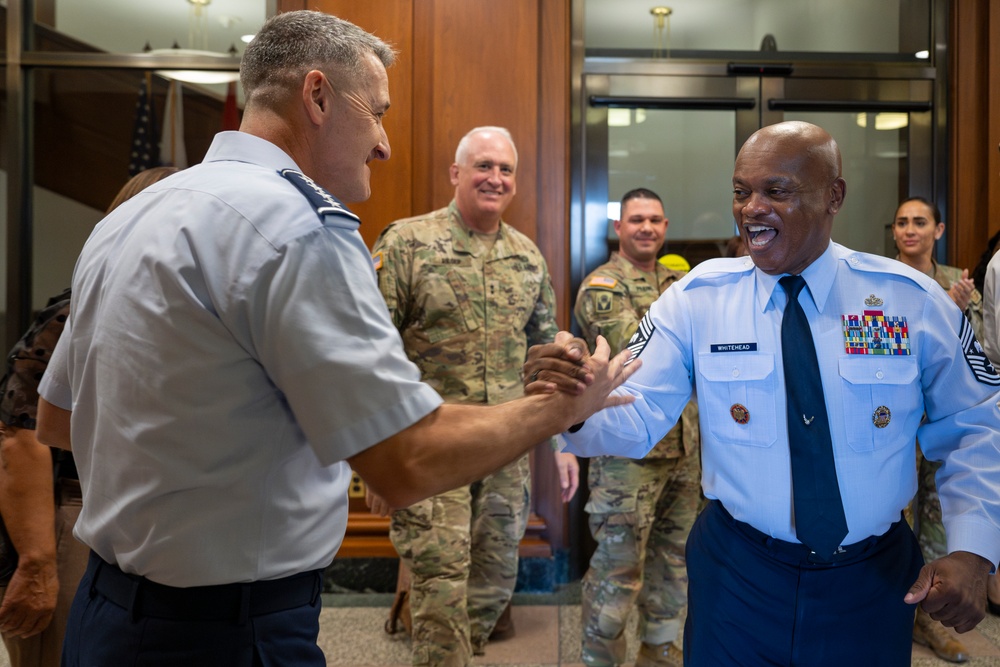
(504, 627)
(930, 633)
(659, 655)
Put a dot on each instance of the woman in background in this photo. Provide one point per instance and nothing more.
(915, 229)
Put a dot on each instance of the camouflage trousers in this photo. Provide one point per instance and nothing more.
(641, 512)
(461, 549)
(927, 523)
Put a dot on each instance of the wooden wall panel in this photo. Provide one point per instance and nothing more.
(391, 181)
(993, 103)
(475, 70)
(553, 188)
(974, 204)
(462, 64)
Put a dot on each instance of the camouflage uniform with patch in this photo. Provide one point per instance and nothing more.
(467, 313)
(927, 521)
(641, 511)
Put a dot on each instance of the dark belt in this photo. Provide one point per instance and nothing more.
(225, 602)
(797, 552)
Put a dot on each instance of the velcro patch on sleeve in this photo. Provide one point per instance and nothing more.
(600, 281)
(603, 302)
(377, 260)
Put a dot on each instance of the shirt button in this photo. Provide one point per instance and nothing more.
(879, 374)
(855, 261)
(736, 372)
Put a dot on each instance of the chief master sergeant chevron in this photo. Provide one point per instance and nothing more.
(830, 464)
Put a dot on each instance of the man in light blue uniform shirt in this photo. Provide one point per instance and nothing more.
(758, 595)
(229, 354)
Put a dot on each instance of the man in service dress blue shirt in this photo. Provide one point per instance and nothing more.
(890, 347)
(229, 359)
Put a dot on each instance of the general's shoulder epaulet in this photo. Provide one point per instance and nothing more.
(321, 200)
(602, 281)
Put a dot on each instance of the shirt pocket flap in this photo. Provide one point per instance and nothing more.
(740, 367)
(865, 370)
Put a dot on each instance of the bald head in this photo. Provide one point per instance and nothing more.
(817, 149)
(787, 188)
(462, 152)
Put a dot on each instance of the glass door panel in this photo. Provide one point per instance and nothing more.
(678, 135)
(887, 30)
(678, 155)
(875, 148)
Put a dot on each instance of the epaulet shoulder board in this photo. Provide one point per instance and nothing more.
(321, 200)
(868, 263)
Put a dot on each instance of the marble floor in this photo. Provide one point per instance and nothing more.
(547, 633)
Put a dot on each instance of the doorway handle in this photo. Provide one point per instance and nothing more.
(875, 106)
(683, 103)
(759, 69)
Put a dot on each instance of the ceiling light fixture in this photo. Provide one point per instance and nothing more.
(198, 24)
(661, 20)
(198, 47)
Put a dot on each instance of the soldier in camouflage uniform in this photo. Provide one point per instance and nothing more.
(469, 294)
(641, 511)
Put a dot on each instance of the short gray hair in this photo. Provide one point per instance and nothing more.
(291, 44)
(463, 145)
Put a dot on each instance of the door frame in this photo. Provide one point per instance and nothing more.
(760, 95)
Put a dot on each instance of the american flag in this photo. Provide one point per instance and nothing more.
(144, 136)
(230, 112)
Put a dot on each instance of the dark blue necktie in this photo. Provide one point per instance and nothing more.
(819, 512)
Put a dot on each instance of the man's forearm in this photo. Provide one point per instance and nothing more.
(453, 446)
(458, 444)
(26, 496)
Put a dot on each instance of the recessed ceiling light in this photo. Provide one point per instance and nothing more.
(246, 38)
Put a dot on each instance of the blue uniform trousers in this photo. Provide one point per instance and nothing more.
(757, 601)
(120, 619)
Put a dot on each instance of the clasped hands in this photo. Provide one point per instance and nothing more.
(565, 366)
